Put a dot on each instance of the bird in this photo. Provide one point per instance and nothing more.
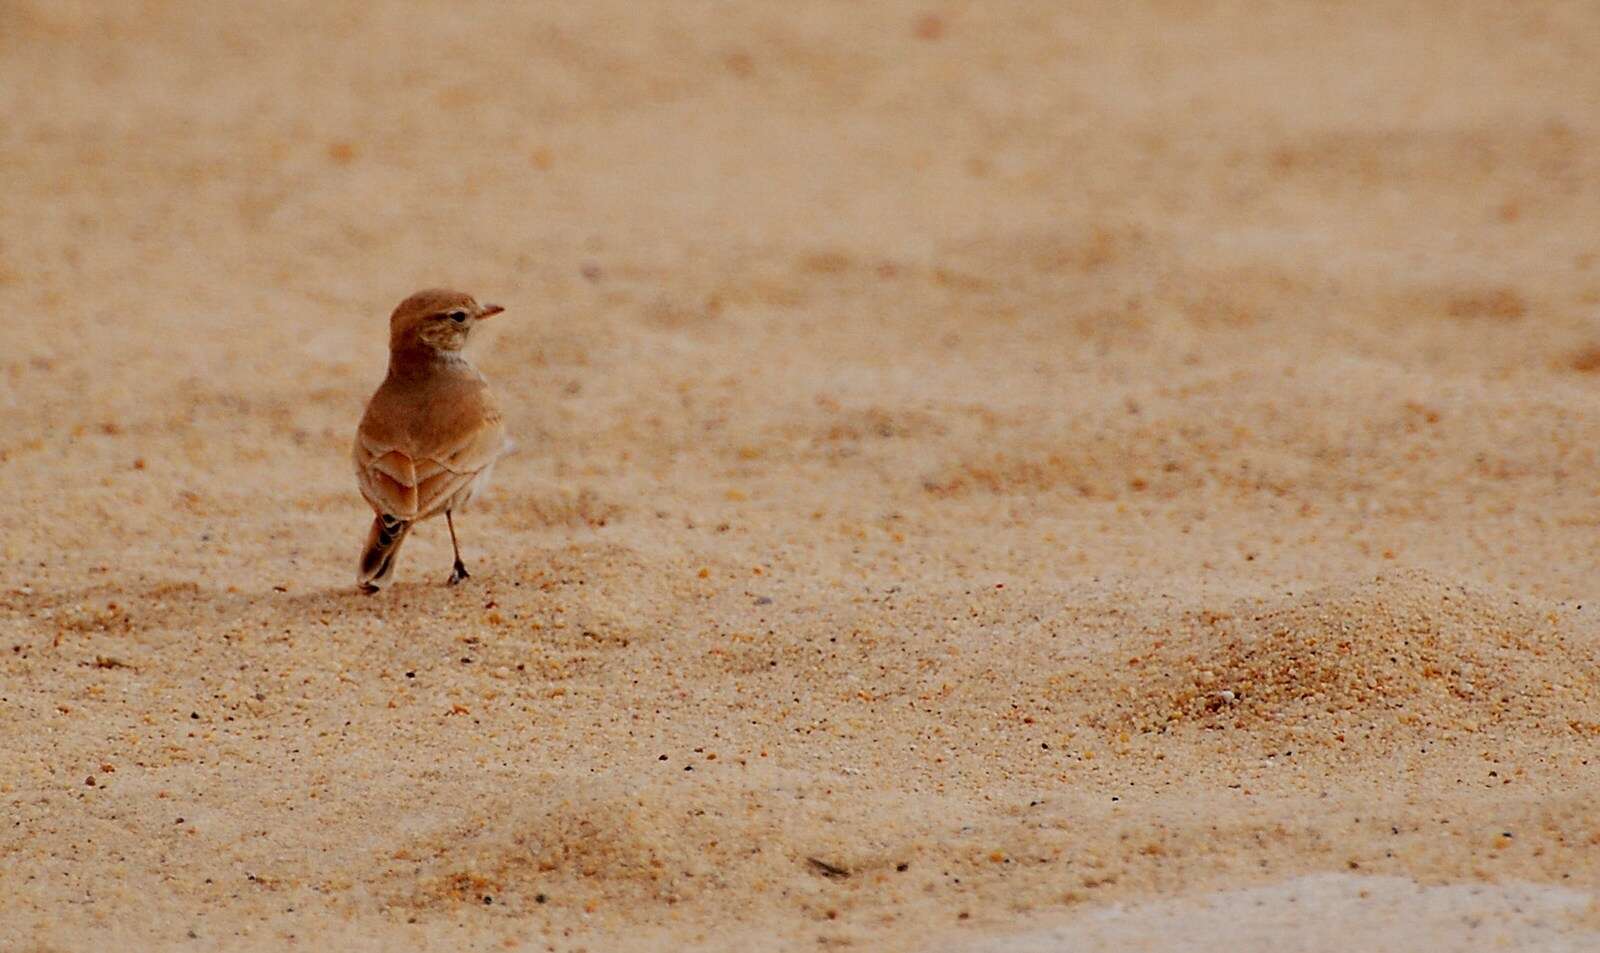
(431, 433)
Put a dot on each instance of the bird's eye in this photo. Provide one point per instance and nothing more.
(458, 317)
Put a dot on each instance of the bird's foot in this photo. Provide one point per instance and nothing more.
(368, 588)
(458, 573)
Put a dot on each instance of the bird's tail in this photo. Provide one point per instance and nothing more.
(383, 545)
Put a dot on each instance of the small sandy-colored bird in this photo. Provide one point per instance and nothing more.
(431, 433)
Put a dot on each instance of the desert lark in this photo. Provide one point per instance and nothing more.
(431, 433)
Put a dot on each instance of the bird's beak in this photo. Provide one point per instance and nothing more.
(489, 311)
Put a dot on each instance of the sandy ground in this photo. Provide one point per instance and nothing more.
(993, 476)
(1327, 913)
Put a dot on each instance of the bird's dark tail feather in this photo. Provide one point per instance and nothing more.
(383, 545)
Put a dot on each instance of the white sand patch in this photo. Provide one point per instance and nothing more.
(1327, 913)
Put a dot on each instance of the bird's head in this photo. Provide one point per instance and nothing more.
(436, 320)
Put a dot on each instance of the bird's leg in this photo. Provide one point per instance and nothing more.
(460, 571)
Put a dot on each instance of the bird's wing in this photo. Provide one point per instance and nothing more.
(477, 448)
(436, 492)
(448, 470)
(388, 476)
(416, 486)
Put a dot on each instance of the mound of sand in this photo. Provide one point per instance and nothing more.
(618, 849)
(1402, 652)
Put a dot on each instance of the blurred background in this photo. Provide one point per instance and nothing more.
(895, 208)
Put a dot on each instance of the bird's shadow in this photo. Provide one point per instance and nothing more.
(50, 616)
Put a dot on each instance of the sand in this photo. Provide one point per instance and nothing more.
(1328, 913)
(992, 476)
